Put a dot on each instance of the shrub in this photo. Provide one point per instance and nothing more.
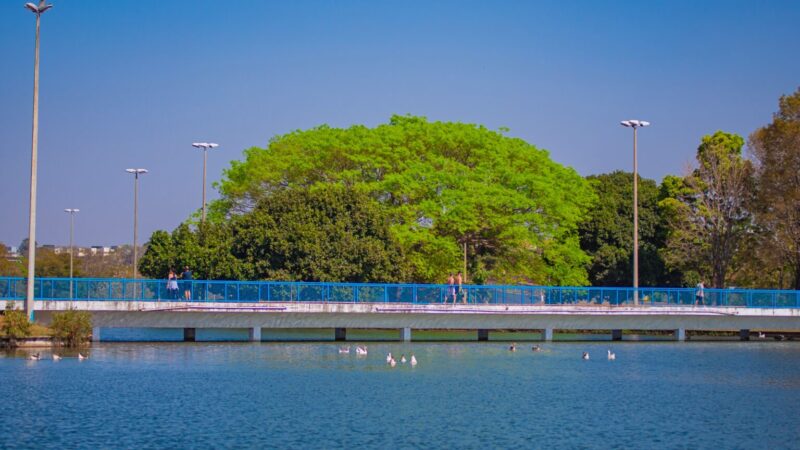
(72, 327)
(15, 324)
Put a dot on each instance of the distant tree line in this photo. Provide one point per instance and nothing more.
(404, 200)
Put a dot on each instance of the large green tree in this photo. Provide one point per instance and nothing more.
(445, 186)
(776, 150)
(607, 232)
(709, 211)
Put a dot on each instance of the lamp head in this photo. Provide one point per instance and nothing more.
(634, 123)
(38, 9)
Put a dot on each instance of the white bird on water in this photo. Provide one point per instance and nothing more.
(344, 349)
(81, 357)
(585, 355)
(35, 357)
(761, 335)
(392, 362)
(389, 358)
(361, 350)
(56, 357)
(402, 359)
(611, 355)
(413, 361)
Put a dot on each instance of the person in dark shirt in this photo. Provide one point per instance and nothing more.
(187, 283)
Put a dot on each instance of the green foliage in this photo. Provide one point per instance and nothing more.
(9, 268)
(607, 232)
(709, 212)
(330, 233)
(776, 150)
(72, 327)
(15, 323)
(52, 264)
(442, 185)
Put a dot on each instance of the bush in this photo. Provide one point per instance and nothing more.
(15, 324)
(72, 327)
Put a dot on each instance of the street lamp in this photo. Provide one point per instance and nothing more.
(136, 173)
(205, 146)
(635, 124)
(71, 212)
(29, 304)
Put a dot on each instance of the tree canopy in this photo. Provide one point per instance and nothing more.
(776, 150)
(443, 185)
(607, 232)
(330, 233)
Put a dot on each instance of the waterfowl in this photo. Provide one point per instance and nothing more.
(56, 357)
(35, 357)
(761, 335)
(81, 357)
(392, 362)
(361, 350)
(513, 347)
(344, 349)
(536, 348)
(389, 358)
(402, 359)
(585, 355)
(413, 360)
(611, 356)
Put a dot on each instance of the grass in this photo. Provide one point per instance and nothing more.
(36, 330)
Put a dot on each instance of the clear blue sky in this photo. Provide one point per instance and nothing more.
(133, 83)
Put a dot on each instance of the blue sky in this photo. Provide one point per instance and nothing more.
(133, 83)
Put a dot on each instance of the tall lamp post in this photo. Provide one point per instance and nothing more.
(29, 304)
(635, 124)
(136, 173)
(204, 146)
(71, 212)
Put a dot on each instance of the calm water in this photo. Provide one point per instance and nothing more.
(471, 395)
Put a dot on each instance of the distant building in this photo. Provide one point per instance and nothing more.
(101, 250)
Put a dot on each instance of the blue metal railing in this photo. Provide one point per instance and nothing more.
(121, 289)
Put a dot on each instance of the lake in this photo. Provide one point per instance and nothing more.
(460, 395)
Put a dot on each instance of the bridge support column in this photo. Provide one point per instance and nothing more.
(340, 334)
(483, 335)
(255, 334)
(616, 335)
(680, 334)
(405, 334)
(95, 334)
(744, 335)
(188, 334)
(547, 334)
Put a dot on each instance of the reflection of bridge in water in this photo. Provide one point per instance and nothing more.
(254, 306)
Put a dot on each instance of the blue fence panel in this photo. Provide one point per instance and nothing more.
(115, 289)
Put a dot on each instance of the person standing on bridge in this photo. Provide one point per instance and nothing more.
(699, 296)
(459, 282)
(451, 289)
(187, 283)
(172, 285)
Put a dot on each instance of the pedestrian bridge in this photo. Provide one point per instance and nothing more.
(254, 306)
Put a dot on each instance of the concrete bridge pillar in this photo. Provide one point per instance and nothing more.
(483, 335)
(405, 334)
(680, 334)
(95, 334)
(340, 334)
(255, 334)
(616, 335)
(547, 334)
(744, 335)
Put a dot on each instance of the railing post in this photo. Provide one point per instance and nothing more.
(414, 295)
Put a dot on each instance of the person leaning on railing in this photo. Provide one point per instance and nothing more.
(699, 295)
(187, 283)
